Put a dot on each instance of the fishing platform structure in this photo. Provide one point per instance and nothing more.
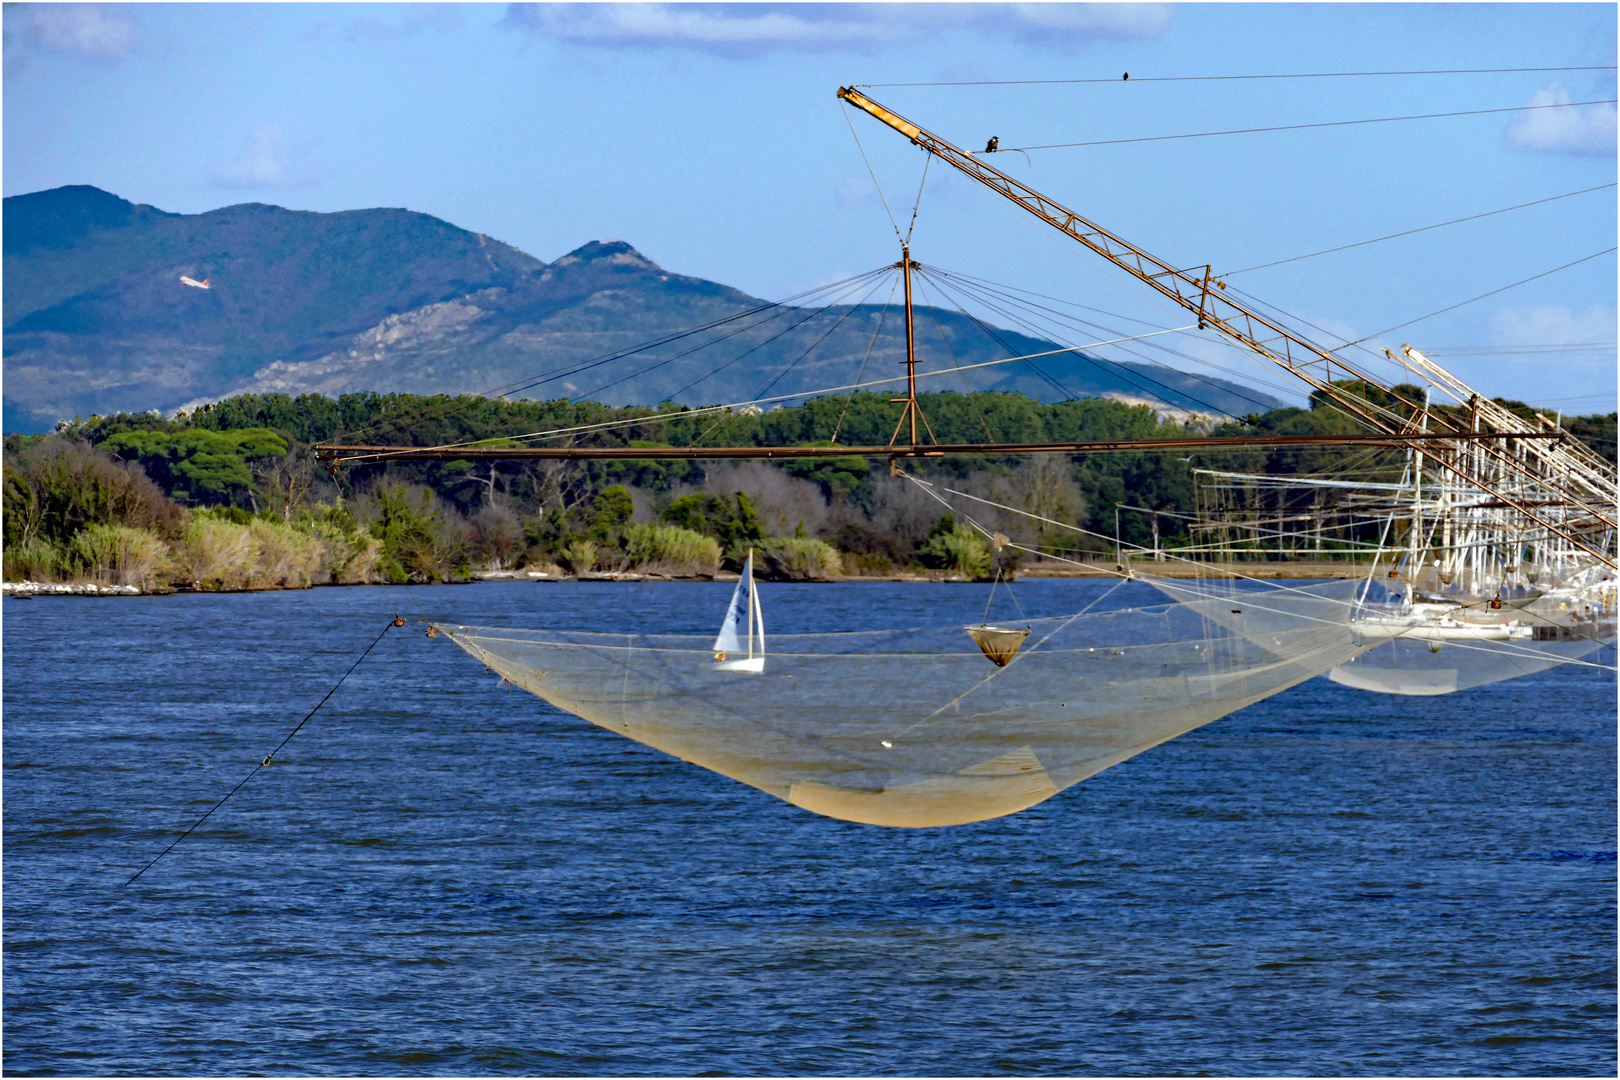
(912, 727)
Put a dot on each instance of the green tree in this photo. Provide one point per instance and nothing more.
(611, 510)
(57, 487)
(733, 522)
(197, 464)
(952, 546)
(419, 542)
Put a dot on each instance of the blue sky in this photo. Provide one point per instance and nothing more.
(709, 136)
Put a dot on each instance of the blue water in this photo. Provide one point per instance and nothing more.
(443, 876)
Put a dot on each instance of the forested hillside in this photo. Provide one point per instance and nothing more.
(246, 464)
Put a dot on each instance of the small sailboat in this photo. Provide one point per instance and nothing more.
(727, 646)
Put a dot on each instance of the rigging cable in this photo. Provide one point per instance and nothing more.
(528, 382)
(917, 205)
(1411, 232)
(396, 621)
(1481, 296)
(876, 330)
(761, 345)
(848, 311)
(657, 418)
(1107, 271)
(976, 289)
(870, 172)
(685, 413)
(1084, 256)
(742, 329)
(1320, 124)
(1068, 395)
(849, 285)
(1005, 291)
(1238, 78)
(933, 311)
(1117, 369)
(844, 287)
(1554, 348)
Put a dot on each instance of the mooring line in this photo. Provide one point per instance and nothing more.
(396, 621)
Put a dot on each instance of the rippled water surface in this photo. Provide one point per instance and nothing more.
(439, 875)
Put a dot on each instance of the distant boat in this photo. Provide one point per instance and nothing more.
(726, 643)
(194, 283)
(1432, 623)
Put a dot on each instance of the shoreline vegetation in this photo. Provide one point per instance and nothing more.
(1107, 568)
(229, 498)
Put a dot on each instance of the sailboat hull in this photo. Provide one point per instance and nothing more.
(752, 664)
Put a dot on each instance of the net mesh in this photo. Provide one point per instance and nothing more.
(1430, 668)
(1429, 655)
(917, 727)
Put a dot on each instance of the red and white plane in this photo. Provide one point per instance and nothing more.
(203, 284)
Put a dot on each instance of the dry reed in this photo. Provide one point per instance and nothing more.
(800, 558)
(288, 557)
(213, 553)
(120, 555)
(670, 550)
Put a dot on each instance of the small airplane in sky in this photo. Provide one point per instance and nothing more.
(203, 284)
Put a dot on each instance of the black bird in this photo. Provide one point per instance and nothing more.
(990, 147)
(1127, 77)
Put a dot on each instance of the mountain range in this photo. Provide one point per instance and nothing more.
(97, 319)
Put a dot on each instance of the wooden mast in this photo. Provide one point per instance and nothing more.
(911, 344)
(909, 414)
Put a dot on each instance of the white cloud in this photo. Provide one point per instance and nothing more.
(1587, 131)
(85, 31)
(269, 161)
(1114, 22)
(81, 30)
(1554, 324)
(743, 30)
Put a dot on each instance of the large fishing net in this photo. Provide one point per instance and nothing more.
(1425, 668)
(1426, 655)
(920, 727)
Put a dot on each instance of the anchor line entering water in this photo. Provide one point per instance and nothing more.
(396, 621)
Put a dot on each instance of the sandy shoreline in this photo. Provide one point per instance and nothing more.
(1313, 571)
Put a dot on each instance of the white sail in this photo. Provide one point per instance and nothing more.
(756, 613)
(727, 645)
(727, 641)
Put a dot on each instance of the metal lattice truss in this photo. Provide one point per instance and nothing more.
(1564, 488)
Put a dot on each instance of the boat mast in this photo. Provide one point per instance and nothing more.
(755, 615)
(748, 572)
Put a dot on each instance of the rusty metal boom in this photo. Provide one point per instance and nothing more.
(349, 455)
(1198, 291)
